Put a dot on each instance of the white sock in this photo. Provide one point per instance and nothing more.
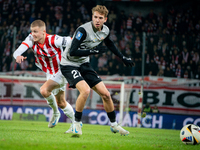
(51, 100)
(113, 123)
(69, 112)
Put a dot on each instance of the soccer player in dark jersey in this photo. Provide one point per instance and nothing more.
(76, 68)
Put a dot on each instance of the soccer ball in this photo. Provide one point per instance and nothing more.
(190, 134)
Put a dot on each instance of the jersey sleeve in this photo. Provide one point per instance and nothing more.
(78, 38)
(62, 41)
(24, 46)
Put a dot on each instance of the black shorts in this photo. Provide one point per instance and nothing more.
(84, 72)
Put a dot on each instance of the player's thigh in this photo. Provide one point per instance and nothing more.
(89, 75)
(58, 77)
(50, 85)
(83, 87)
(72, 74)
(101, 89)
(55, 81)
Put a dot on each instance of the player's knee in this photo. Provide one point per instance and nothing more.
(44, 92)
(106, 96)
(85, 93)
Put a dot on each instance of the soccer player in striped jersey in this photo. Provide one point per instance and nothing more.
(76, 68)
(47, 50)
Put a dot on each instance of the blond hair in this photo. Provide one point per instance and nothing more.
(39, 23)
(101, 9)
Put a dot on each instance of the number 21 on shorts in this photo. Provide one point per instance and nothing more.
(76, 74)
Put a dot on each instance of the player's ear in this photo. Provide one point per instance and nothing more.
(43, 29)
(105, 19)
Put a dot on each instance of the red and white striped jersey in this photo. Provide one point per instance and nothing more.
(48, 54)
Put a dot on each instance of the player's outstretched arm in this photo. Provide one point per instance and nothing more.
(22, 48)
(18, 53)
(110, 44)
(79, 37)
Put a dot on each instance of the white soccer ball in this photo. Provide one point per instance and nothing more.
(190, 134)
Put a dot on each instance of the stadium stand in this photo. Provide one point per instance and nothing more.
(172, 43)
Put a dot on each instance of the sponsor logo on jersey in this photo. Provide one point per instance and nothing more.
(95, 39)
(79, 35)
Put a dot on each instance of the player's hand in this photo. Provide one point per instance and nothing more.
(128, 62)
(19, 59)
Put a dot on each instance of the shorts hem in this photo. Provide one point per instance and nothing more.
(95, 83)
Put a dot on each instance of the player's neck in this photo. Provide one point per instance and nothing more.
(42, 40)
(95, 29)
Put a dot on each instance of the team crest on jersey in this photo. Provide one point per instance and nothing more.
(50, 51)
(79, 35)
(95, 39)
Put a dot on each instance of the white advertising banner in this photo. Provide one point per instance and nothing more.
(177, 99)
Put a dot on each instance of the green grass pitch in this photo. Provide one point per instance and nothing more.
(21, 135)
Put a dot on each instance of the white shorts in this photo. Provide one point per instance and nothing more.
(60, 79)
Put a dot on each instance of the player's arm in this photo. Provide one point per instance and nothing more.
(62, 41)
(111, 46)
(79, 37)
(24, 46)
(18, 53)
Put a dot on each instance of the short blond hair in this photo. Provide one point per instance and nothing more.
(101, 9)
(38, 23)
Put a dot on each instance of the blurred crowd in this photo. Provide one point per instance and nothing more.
(172, 38)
